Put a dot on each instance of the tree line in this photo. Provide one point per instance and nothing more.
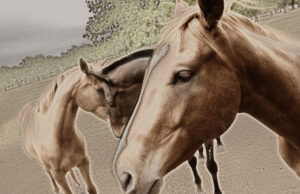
(116, 27)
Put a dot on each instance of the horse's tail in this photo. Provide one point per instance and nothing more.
(21, 114)
(74, 177)
(24, 110)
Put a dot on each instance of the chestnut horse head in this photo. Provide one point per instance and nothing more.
(121, 88)
(197, 81)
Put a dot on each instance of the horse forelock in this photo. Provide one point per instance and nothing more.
(47, 97)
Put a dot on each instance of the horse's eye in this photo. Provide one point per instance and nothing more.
(183, 76)
(100, 91)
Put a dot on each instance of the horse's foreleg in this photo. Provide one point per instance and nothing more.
(60, 177)
(219, 141)
(200, 150)
(197, 179)
(220, 145)
(212, 165)
(55, 188)
(74, 177)
(84, 168)
(290, 154)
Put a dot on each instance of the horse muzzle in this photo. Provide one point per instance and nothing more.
(132, 184)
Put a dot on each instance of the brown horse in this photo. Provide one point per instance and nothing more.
(118, 87)
(48, 125)
(206, 70)
(122, 82)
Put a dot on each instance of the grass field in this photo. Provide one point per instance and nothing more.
(289, 23)
(250, 163)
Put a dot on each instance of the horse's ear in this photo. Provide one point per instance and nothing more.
(212, 11)
(180, 6)
(101, 63)
(83, 66)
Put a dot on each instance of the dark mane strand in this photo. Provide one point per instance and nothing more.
(124, 60)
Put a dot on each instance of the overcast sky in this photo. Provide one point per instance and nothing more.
(30, 27)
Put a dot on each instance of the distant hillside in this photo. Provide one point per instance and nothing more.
(20, 40)
(252, 7)
(289, 22)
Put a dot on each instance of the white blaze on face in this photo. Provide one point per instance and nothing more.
(157, 56)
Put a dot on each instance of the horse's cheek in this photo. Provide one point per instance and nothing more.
(217, 106)
(228, 107)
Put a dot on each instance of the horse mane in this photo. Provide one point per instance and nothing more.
(189, 20)
(126, 59)
(47, 96)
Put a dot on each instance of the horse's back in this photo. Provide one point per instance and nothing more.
(26, 122)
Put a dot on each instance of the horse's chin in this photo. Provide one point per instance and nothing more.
(117, 130)
(156, 187)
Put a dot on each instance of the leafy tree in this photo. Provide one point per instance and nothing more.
(98, 27)
(129, 23)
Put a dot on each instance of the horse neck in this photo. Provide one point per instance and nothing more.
(63, 110)
(269, 75)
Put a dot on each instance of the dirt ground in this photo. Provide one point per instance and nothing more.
(249, 164)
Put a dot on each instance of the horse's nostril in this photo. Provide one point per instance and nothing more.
(126, 181)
